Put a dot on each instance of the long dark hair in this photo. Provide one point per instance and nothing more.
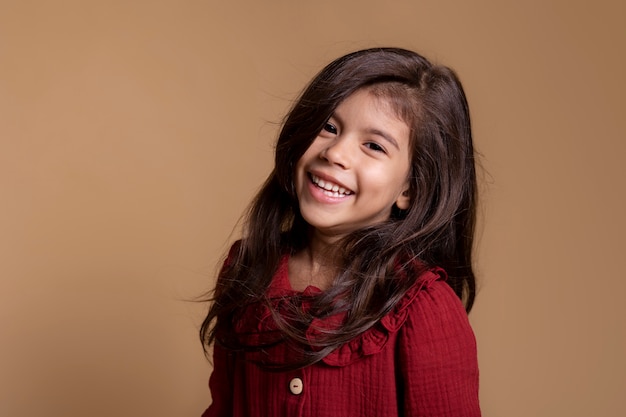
(436, 230)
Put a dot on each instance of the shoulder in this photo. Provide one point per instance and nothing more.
(436, 325)
(435, 307)
(430, 296)
(436, 299)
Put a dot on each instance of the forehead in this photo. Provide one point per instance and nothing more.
(400, 99)
(374, 101)
(365, 104)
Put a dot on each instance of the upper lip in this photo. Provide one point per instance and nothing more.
(330, 178)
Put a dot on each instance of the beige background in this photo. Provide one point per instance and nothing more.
(133, 134)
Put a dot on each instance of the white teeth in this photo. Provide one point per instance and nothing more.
(331, 189)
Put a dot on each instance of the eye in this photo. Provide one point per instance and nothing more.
(330, 128)
(375, 147)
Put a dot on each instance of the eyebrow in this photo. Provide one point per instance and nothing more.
(372, 131)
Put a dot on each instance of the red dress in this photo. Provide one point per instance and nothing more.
(419, 360)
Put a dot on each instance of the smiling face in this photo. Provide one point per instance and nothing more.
(356, 169)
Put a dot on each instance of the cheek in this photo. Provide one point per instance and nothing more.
(300, 167)
(391, 178)
(310, 155)
(312, 151)
(398, 182)
(299, 177)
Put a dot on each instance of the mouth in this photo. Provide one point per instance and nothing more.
(329, 188)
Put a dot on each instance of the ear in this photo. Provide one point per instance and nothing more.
(404, 200)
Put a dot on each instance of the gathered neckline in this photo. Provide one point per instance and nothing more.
(259, 321)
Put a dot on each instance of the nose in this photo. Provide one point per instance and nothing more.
(338, 152)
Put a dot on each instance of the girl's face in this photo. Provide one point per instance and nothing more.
(356, 169)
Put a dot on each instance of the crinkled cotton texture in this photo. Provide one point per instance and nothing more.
(419, 360)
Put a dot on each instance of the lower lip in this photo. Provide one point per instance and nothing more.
(321, 195)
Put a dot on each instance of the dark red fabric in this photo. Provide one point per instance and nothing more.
(419, 360)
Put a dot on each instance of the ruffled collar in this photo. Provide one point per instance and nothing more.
(257, 326)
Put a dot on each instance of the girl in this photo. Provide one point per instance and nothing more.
(345, 295)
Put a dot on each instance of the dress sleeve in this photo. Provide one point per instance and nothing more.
(221, 384)
(437, 356)
(221, 380)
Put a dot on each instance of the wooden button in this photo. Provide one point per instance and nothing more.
(296, 386)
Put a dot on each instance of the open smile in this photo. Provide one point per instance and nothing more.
(329, 188)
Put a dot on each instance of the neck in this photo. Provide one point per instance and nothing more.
(317, 264)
